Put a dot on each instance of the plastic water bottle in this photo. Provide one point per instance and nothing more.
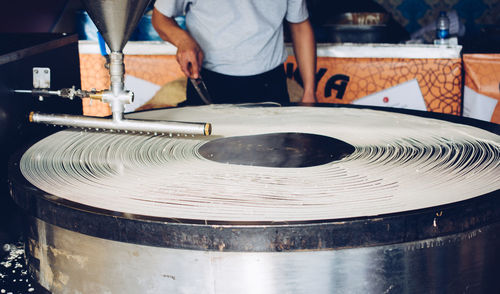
(442, 28)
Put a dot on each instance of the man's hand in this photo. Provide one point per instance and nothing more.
(190, 57)
(189, 54)
(309, 96)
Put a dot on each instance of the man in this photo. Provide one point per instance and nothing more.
(237, 46)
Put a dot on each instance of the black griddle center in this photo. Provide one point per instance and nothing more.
(276, 150)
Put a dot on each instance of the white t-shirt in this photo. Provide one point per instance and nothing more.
(238, 37)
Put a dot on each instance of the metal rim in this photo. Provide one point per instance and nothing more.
(215, 235)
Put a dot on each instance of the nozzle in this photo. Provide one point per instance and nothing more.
(125, 125)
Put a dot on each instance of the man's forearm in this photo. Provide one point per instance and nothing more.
(189, 54)
(304, 46)
(168, 29)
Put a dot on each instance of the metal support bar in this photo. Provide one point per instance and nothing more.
(126, 125)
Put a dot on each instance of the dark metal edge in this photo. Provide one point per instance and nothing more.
(39, 48)
(256, 236)
(485, 125)
(216, 235)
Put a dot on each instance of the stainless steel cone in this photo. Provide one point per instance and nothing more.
(116, 19)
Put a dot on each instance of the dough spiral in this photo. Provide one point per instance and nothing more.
(400, 163)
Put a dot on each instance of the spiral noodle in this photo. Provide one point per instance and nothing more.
(400, 163)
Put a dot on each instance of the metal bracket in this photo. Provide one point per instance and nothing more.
(41, 78)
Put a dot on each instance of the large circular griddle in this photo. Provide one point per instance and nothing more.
(472, 218)
(69, 214)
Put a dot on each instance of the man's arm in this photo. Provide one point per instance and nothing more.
(304, 47)
(189, 53)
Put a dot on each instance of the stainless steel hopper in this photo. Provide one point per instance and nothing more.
(115, 20)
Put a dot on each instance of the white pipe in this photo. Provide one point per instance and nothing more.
(146, 126)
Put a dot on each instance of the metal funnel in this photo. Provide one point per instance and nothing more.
(116, 19)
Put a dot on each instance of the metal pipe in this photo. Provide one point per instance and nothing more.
(116, 72)
(145, 126)
(118, 96)
(43, 92)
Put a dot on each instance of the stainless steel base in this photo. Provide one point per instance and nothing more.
(64, 261)
(74, 248)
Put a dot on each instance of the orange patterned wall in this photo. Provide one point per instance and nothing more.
(158, 69)
(343, 80)
(482, 74)
(94, 76)
(340, 80)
